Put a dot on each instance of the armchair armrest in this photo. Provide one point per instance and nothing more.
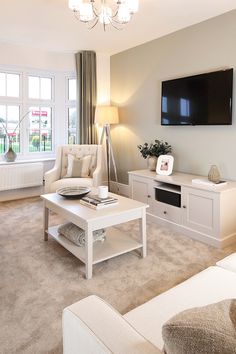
(91, 326)
(97, 177)
(51, 176)
(97, 174)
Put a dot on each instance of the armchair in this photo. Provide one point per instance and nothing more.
(55, 178)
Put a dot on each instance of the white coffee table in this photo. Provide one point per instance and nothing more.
(116, 242)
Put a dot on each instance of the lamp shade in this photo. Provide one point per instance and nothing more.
(106, 115)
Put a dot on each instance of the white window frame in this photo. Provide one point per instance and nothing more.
(59, 104)
(40, 103)
(68, 104)
(14, 101)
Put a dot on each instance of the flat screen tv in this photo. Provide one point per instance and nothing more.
(204, 99)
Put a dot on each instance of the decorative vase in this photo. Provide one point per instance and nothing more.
(152, 163)
(10, 155)
(214, 174)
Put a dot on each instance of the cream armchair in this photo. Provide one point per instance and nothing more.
(55, 178)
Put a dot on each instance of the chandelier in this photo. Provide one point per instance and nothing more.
(116, 13)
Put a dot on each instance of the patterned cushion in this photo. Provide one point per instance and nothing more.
(202, 330)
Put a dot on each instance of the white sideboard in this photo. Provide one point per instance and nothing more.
(205, 213)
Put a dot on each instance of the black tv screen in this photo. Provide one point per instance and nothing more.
(204, 99)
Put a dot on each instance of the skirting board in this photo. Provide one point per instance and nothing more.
(222, 243)
(15, 194)
(120, 188)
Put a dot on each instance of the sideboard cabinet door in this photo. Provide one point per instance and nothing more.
(201, 210)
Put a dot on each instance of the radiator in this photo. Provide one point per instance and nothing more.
(21, 175)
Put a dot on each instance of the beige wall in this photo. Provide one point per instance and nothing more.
(136, 76)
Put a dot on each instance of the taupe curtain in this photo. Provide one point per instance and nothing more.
(86, 96)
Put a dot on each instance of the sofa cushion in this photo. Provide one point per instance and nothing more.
(78, 167)
(228, 262)
(212, 285)
(208, 329)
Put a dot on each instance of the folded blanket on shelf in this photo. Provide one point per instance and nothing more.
(77, 235)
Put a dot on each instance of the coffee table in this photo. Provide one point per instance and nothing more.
(116, 242)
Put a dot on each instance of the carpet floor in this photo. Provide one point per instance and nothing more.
(39, 279)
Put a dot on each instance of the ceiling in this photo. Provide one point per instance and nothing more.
(50, 25)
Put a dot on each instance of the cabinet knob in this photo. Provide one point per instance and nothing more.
(184, 206)
(165, 212)
(149, 196)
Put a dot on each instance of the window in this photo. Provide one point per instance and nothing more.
(9, 85)
(40, 116)
(9, 129)
(40, 88)
(71, 110)
(72, 89)
(9, 111)
(34, 117)
(40, 129)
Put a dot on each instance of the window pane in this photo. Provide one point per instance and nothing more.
(40, 132)
(3, 114)
(33, 87)
(46, 131)
(13, 85)
(13, 116)
(2, 84)
(46, 89)
(72, 89)
(3, 138)
(72, 125)
(34, 129)
(9, 118)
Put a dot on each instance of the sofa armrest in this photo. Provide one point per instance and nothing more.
(228, 263)
(91, 326)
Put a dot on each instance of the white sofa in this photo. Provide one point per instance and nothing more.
(91, 326)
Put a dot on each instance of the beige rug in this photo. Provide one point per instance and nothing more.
(39, 279)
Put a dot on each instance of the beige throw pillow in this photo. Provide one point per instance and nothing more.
(203, 330)
(78, 167)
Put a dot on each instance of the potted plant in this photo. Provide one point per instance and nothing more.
(153, 151)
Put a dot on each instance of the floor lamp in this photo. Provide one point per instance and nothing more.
(107, 115)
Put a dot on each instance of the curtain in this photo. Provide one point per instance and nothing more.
(86, 96)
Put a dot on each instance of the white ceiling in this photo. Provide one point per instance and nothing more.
(50, 25)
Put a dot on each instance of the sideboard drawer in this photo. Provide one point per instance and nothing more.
(168, 212)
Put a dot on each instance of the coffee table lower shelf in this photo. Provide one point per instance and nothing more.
(116, 243)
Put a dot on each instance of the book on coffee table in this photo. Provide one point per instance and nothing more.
(94, 202)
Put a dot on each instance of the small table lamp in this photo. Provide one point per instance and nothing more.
(106, 115)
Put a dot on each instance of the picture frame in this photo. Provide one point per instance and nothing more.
(165, 165)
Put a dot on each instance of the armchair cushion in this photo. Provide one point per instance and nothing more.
(71, 182)
(78, 167)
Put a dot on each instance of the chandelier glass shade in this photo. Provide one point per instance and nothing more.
(116, 13)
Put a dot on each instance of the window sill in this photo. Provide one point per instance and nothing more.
(28, 161)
